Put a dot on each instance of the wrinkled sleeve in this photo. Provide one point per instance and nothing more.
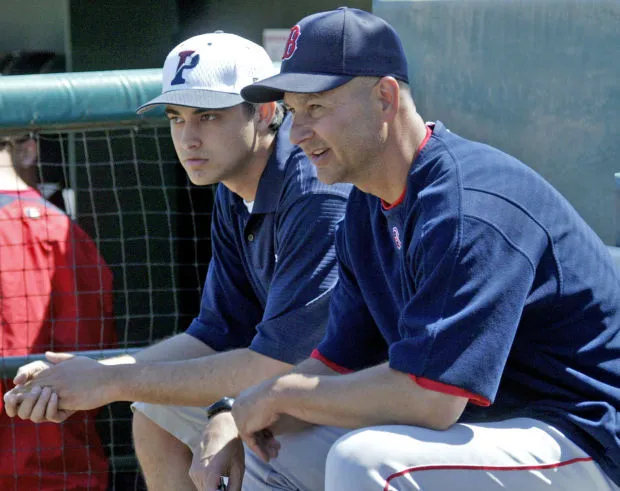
(229, 309)
(472, 281)
(352, 340)
(297, 306)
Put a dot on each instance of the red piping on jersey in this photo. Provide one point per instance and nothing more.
(388, 206)
(484, 468)
(316, 354)
(450, 389)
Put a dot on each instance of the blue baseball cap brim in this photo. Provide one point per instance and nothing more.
(273, 88)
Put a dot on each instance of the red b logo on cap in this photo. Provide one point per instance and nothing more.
(291, 44)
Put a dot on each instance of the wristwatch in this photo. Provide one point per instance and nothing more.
(224, 404)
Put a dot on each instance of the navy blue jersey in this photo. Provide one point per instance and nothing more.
(273, 270)
(484, 282)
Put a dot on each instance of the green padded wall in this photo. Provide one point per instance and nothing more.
(75, 99)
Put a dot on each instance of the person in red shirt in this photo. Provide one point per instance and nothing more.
(55, 294)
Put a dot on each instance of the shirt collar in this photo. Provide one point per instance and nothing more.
(272, 179)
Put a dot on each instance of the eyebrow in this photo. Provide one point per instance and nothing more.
(304, 97)
(198, 110)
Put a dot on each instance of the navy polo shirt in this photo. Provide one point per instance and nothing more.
(484, 282)
(273, 270)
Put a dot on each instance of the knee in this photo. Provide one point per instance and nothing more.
(352, 463)
(148, 435)
(366, 459)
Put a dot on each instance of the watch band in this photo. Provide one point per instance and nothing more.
(224, 404)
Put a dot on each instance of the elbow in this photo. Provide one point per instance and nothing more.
(445, 412)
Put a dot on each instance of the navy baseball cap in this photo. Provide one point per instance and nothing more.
(328, 49)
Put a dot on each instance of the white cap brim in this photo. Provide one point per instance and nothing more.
(199, 98)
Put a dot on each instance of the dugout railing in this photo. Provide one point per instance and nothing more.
(116, 174)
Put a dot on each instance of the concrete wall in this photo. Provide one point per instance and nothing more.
(140, 33)
(33, 25)
(248, 18)
(539, 79)
(122, 35)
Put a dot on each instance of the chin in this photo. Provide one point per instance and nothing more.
(203, 182)
(199, 179)
(328, 177)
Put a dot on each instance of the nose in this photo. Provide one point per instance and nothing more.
(190, 136)
(300, 130)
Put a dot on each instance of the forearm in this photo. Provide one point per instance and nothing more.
(194, 382)
(179, 347)
(312, 366)
(374, 396)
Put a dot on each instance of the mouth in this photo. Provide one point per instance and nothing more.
(318, 156)
(194, 163)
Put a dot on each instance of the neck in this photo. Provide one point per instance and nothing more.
(246, 184)
(10, 180)
(388, 179)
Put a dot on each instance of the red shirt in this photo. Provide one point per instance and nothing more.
(55, 293)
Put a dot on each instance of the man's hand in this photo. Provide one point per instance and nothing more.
(27, 372)
(28, 401)
(219, 453)
(79, 382)
(40, 405)
(13, 398)
(256, 415)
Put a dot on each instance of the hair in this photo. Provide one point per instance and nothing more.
(278, 115)
(11, 143)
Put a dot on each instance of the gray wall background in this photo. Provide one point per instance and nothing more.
(33, 25)
(539, 79)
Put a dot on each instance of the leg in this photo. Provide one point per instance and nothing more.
(300, 465)
(511, 455)
(163, 438)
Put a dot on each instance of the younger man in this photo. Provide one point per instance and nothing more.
(265, 299)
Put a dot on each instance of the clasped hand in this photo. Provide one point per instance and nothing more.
(55, 390)
(219, 454)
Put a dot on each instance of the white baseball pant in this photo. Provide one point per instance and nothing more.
(519, 454)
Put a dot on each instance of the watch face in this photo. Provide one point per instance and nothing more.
(224, 404)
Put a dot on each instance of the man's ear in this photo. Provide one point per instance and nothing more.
(388, 92)
(266, 112)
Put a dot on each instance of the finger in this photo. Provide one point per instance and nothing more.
(24, 373)
(211, 481)
(235, 480)
(268, 443)
(197, 480)
(22, 376)
(272, 448)
(28, 402)
(38, 411)
(12, 400)
(52, 413)
(253, 445)
(55, 358)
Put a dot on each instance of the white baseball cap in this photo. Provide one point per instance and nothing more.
(209, 71)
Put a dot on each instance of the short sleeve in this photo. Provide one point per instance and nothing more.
(297, 306)
(353, 340)
(229, 309)
(472, 280)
